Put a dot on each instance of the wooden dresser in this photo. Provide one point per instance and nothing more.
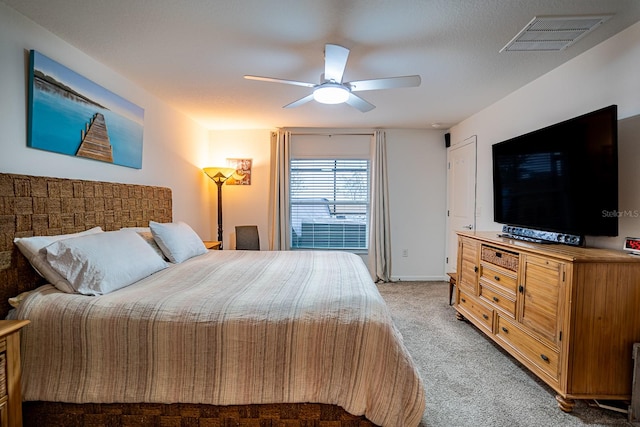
(10, 373)
(570, 315)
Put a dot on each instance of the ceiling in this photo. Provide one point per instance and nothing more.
(193, 54)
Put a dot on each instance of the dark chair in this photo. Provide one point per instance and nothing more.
(247, 238)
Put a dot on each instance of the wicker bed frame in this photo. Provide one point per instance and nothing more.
(34, 205)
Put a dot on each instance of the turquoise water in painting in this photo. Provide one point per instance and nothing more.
(62, 103)
(57, 122)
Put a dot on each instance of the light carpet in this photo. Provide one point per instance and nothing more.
(469, 380)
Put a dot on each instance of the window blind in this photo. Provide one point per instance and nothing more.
(329, 203)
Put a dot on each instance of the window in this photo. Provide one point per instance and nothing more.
(329, 203)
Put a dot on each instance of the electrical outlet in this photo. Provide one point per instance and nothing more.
(405, 252)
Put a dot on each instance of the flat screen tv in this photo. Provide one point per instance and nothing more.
(562, 178)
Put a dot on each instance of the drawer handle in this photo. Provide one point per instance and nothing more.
(543, 357)
(496, 299)
(497, 278)
(498, 255)
(505, 330)
(463, 300)
(485, 317)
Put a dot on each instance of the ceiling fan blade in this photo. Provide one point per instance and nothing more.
(300, 101)
(359, 103)
(388, 83)
(335, 61)
(274, 80)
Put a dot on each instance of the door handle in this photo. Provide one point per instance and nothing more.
(468, 227)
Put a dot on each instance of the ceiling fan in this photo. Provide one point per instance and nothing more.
(332, 90)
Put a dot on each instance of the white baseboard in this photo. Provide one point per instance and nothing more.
(419, 278)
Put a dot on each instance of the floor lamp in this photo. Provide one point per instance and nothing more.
(220, 175)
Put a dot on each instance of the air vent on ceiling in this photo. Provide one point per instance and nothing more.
(553, 33)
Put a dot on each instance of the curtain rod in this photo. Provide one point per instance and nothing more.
(334, 133)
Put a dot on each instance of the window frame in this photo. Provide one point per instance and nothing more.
(341, 233)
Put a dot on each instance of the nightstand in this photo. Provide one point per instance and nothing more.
(10, 372)
(212, 244)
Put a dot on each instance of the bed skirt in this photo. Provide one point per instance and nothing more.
(54, 414)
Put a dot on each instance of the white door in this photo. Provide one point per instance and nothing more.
(461, 195)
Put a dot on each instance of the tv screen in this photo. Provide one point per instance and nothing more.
(562, 178)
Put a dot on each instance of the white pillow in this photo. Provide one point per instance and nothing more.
(101, 263)
(145, 233)
(31, 249)
(177, 240)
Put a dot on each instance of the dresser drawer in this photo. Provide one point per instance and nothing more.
(10, 396)
(504, 259)
(542, 356)
(3, 369)
(498, 300)
(498, 278)
(4, 412)
(477, 312)
(3, 374)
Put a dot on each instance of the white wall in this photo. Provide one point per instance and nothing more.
(242, 204)
(606, 74)
(417, 192)
(174, 147)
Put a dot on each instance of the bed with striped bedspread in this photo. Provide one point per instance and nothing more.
(227, 328)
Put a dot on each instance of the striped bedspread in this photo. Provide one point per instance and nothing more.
(227, 327)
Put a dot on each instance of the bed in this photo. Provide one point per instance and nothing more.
(222, 338)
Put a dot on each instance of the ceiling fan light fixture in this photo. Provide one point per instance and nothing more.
(331, 93)
(333, 90)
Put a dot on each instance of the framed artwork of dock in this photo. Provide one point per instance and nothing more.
(72, 115)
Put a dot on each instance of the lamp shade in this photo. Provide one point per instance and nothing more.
(217, 173)
(220, 175)
(331, 93)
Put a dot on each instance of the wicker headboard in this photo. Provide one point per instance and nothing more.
(44, 206)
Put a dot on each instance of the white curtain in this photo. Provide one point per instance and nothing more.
(380, 230)
(279, 228)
